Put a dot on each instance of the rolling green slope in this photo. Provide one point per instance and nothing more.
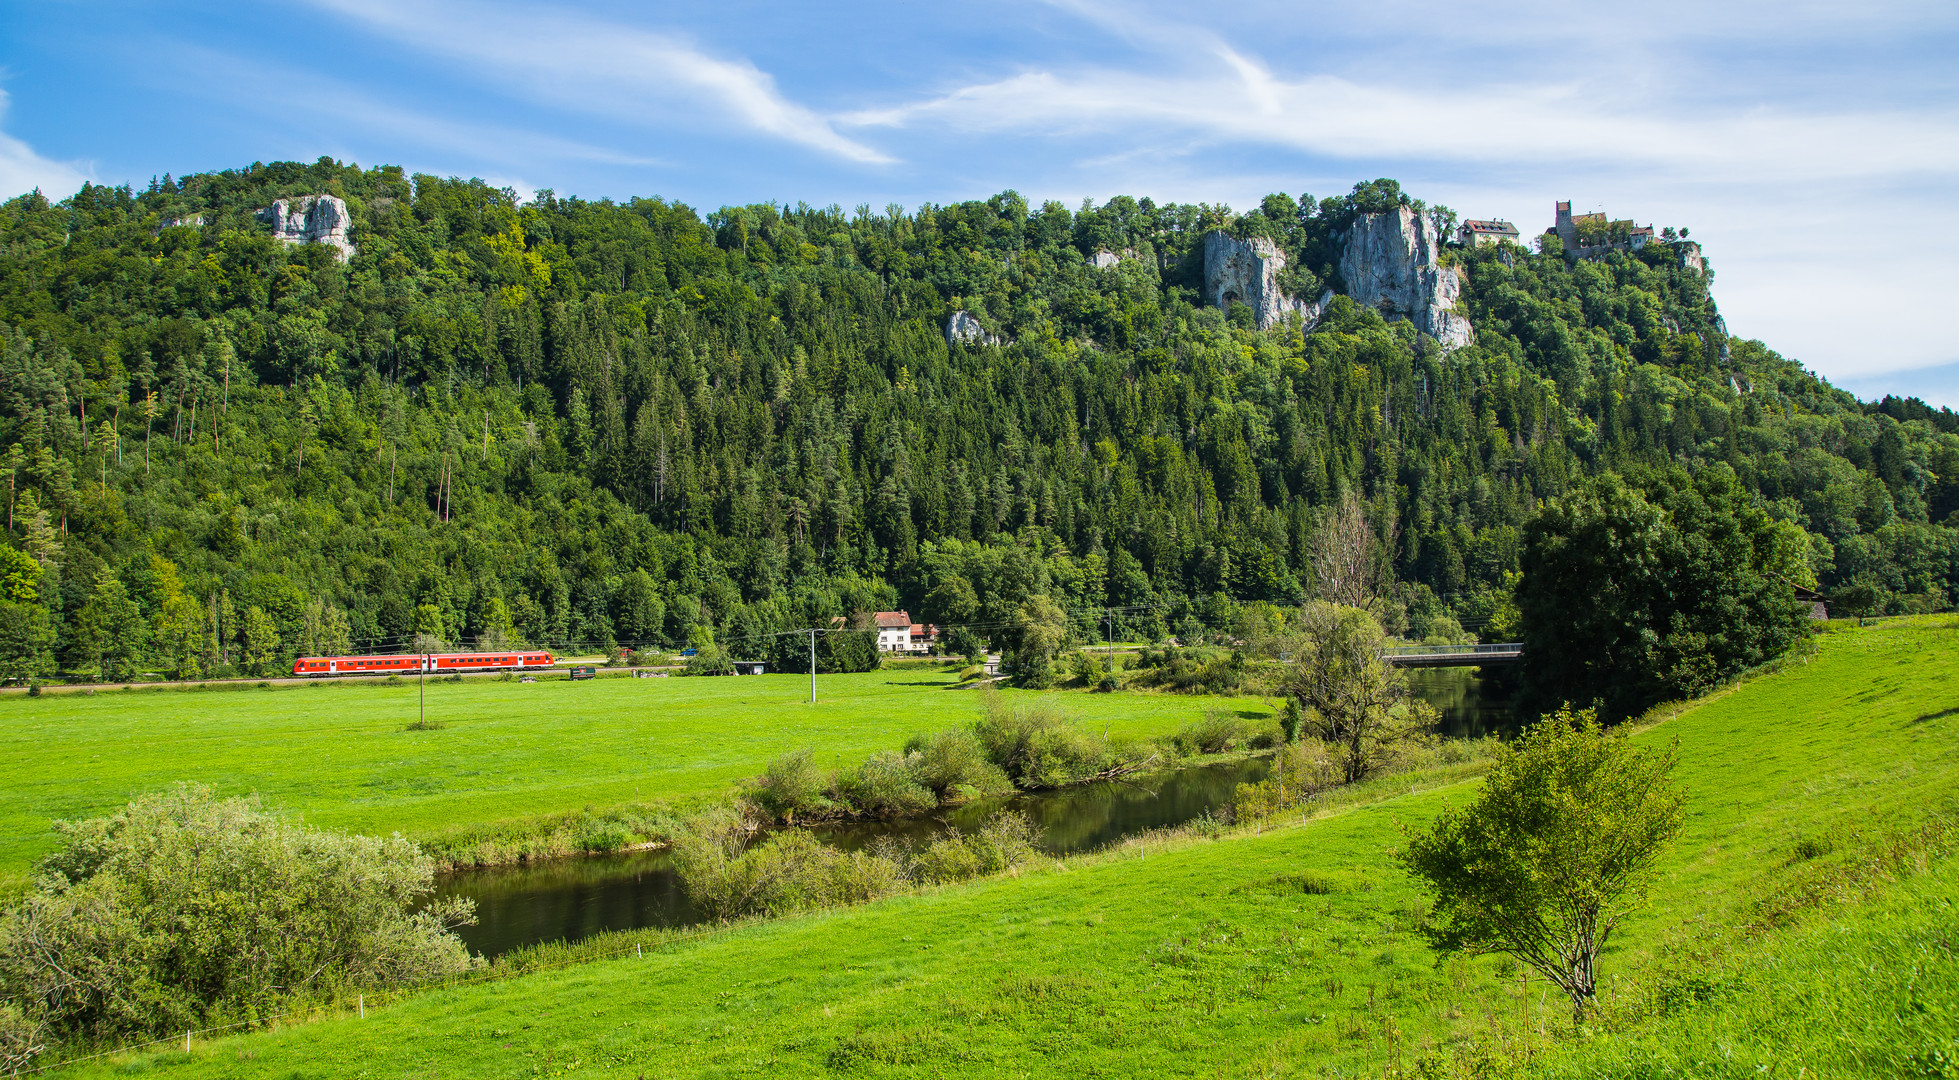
(1287, 953)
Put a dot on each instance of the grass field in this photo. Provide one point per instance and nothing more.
(340, 754)
(1288, 953)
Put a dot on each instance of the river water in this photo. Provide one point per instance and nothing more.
(568, 899)
(573, 898)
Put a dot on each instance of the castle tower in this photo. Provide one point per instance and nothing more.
(1566, 231)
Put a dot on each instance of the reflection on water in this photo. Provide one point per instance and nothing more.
(1473, 701)
(568, 899)
(1081, 818)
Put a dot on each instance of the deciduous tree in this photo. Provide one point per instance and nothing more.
(1553, 853)
(1348, 696)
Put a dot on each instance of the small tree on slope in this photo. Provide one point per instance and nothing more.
(1554, 852)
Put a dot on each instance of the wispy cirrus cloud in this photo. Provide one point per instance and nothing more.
(355, 115)
(23, 170)
(595, 66)
(1235, 99)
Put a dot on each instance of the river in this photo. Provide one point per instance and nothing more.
(572, 898)
(568, 899)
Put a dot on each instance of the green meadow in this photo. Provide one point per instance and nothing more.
(342, 754)
(1816, 849)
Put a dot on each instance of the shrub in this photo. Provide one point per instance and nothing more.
(21, 1039)
(1193, 671)
(1214, 734)
(948, 859)
(954, 764)
(599, 835)
(1039, 747)
(1301, 771)
(182, 910)
(964, 642)
(883, 787)
(1033, 742)
(791, 785)
(1005, 841)
(789, 872)
(1082, 667)
(1289, 720)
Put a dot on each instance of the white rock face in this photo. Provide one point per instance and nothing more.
(1247, 272)
(963, 329)
(1102, 260)
(1390, 264)
(312, 219)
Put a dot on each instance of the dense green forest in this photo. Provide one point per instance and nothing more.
(574, 422)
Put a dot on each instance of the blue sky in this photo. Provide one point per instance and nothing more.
(1813, 148)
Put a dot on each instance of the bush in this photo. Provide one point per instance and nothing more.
(1301, 771)
(1038, 747)
(1005, 841)
(1214, 734)
(182, 910)
(964, 642)
(953, 764)
(21, 1039)
(1193, 671)
(789, 872)
(883, 787)
(600, 835)
(792, 784)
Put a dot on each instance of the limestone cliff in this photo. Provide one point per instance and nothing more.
(312, 219)
(962, 328)
(1247, 272)
(1390, 263)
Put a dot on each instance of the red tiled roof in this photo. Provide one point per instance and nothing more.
(892, 620)
(1489, 226)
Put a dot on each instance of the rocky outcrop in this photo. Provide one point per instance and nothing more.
(312, 219)
(1390, 264)
(1247, 272)
(963, 329)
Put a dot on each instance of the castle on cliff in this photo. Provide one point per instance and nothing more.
(1591, 236)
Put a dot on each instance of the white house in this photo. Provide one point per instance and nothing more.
(893, 631)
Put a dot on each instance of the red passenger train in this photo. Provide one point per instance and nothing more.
(416, 663)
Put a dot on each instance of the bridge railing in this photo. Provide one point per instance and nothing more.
(1506, 647)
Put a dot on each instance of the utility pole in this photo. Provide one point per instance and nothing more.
(812, 665)
(422, 687)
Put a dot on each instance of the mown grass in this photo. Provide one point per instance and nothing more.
(1293, 952)
(507, 753)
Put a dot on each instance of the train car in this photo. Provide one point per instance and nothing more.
(417, 663)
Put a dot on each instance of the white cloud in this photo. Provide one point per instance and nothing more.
(593, 66)
(346, 108)
(1815, 208)
(22, 170)
(1241, 102)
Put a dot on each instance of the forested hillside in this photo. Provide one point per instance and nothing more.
(594, 422)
